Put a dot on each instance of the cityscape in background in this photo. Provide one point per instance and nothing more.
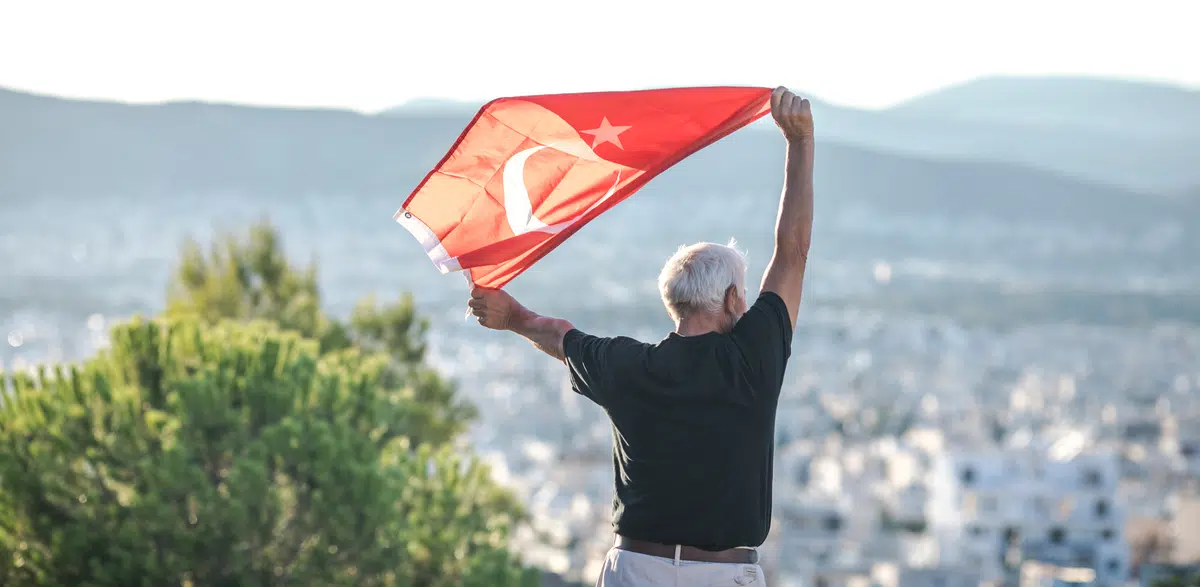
(995, 378)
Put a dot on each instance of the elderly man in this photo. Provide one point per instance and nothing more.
(693, 415)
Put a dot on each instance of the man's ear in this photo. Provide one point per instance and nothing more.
(731, 297)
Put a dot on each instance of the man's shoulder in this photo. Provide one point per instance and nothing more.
(599, 364)
(577, 334)
(763, 336)
(582, 345)
(768, 299)
(766, 318)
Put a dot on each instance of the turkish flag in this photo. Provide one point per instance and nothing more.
(529, 171)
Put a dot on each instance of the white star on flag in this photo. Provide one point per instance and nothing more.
(606, 133)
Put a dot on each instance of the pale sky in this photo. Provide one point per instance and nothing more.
(368, 55)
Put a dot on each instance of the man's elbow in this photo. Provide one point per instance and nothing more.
(791, 251)
(556, 337)
(561, 328)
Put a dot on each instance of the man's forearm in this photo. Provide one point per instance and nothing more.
(793, 227)
(544, 332)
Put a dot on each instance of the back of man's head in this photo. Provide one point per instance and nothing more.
(696, 280)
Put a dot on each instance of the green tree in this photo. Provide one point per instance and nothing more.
(249, 438)
(246, 277)
(224, 453)
(1181, 579)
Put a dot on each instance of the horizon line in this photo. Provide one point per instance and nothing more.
(1147, 81)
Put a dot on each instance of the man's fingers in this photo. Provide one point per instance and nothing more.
(476, 291)
(777, 96)
(476, 303)
(788, 112)
(804, 107)
(798, 115)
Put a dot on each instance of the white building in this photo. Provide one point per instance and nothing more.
(855, 574)
(991, 509)
(938, 577)
(1181, 442)
(811, 533)
(1185, 529)
(1038, 574)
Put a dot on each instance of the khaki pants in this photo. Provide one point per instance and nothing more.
(623, 568)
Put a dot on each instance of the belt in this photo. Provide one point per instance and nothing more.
(742, 556)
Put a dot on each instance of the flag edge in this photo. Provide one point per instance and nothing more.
(428, 240)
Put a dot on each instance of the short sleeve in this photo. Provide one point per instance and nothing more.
(594, 363)
(764, 336)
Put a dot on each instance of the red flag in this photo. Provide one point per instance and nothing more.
(529, 171)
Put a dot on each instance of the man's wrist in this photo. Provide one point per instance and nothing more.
(800, 145)
(520, 319)
(798, 162)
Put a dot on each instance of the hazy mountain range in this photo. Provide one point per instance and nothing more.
(1137, 135)
(1009, 142)
(93, 196)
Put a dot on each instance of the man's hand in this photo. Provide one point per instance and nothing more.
(494, 308)
(793, 115)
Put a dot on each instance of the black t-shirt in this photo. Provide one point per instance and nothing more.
(693, 423)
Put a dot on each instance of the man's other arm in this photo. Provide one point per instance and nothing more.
(592, 361)
(793, 225)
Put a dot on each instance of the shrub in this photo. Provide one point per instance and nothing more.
(236, 454)
(249, 277)
(248, 438)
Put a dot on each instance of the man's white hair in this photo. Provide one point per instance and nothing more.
(695, 278)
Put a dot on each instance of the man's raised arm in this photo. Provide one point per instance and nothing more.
(793, 227)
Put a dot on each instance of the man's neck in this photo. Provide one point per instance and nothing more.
(697, 325)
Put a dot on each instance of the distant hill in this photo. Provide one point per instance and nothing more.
(438, 106)
(50, 145)
(1132, 160)
(1089, 104)
(1140, 143)
(69, 148)
(749, 162)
